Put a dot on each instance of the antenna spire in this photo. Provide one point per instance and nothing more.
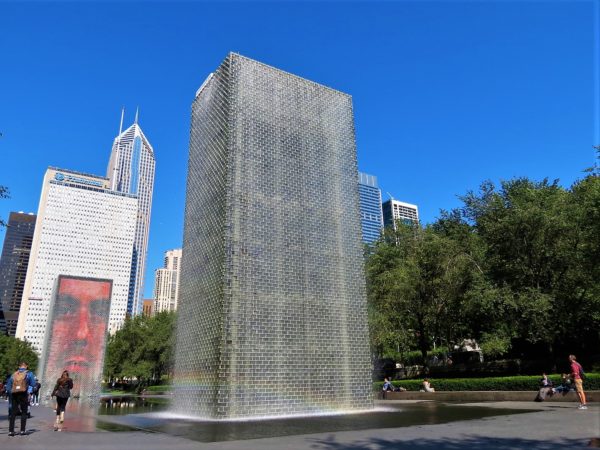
(121, 124)
(137, 113)
(115, 174)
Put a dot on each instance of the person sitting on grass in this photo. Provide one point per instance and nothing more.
(389, 387)
(545, 381)
(565, 386)
(545, 389)
(427, 386)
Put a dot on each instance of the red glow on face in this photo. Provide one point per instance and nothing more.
(79, 327)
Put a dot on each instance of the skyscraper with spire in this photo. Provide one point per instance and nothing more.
(131, 170)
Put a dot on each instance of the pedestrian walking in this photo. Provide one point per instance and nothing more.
(577, 375)
(20, 385)
(62, 391)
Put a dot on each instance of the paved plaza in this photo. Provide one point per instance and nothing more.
(551, 426)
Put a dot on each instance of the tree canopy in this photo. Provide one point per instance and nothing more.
(142, 349)
(12, 352)
(517, 265)
(4, 193)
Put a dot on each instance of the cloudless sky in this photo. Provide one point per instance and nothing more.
(446, 94)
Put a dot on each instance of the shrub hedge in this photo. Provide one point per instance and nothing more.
(159, 388)
(516, 383)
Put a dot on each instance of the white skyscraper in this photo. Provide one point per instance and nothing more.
(394, 210)
(82, 229)
(131, 170)
(166, 284)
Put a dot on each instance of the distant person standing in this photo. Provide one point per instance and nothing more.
(35, 395)
(62, 391)
(577, 376)
(19, 385)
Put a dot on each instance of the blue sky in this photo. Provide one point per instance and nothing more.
(446, 94)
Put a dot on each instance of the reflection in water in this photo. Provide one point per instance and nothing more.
(132, 405)
(80, 415)
(150, 414)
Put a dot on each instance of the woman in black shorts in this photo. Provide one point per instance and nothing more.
(62, 391)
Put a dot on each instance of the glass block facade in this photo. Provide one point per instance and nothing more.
(272, 311)
(371, 216)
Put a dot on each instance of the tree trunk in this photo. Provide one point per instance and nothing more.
(422, 339)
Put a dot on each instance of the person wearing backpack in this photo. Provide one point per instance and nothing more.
(19, 385)
(578, 375)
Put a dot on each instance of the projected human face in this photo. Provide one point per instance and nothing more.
(79, 326)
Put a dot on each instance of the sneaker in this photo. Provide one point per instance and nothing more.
(582, 407)
(22, 433)
(11, 433)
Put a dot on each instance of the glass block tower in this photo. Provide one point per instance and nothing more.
(272, 311)
(131, 171)
(371, 216)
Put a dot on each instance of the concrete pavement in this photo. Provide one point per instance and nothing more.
(552, 426)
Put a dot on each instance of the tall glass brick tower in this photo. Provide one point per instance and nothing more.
(272, 314)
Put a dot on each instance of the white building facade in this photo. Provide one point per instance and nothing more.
(131, 170)
(166, 283)
(82, 229)
(394, 210)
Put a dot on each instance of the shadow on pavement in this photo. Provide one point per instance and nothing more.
(476, 442)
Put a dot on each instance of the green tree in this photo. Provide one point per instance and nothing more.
(518, 263)
(4, 193)
(542, 254)
(417, 279)
(12, 352)
(142, 349)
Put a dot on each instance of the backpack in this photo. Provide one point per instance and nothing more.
(581, 372)
(19, 383)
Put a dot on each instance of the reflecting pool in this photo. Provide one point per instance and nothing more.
(151, 414)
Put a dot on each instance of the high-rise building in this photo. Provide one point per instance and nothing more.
(272, 279)
(83, 229)
(394, 210)
(166, 282)
(2, 321)
(148, 308)
(13, 267)
(131, 171)
(371, 216)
